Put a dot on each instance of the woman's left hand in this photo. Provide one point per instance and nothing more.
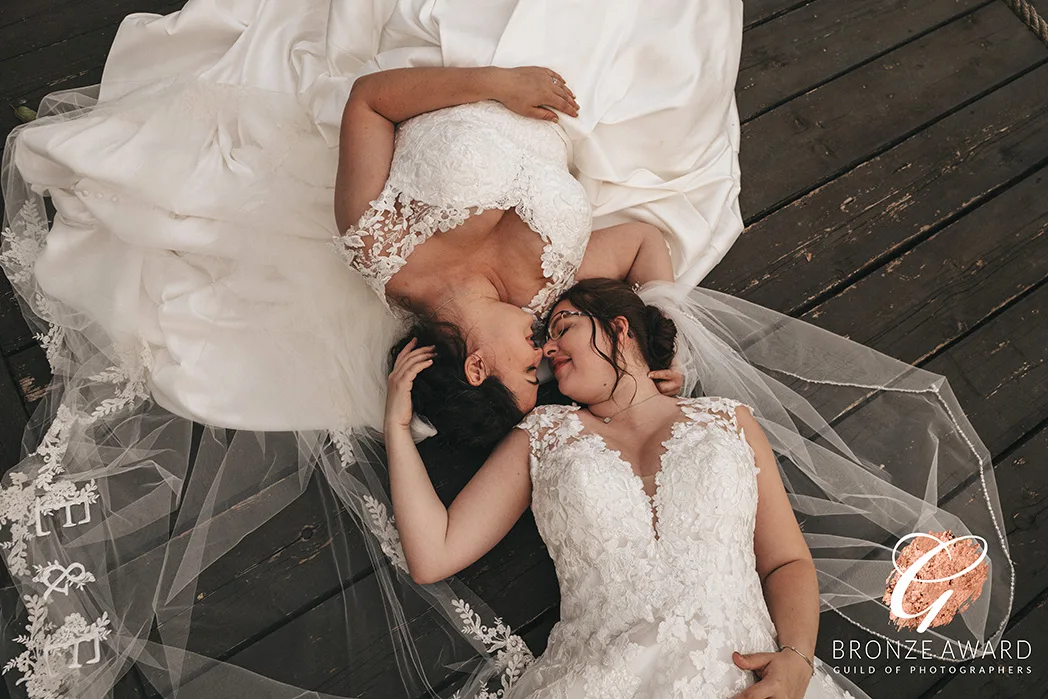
(783, 675)
(532, 91)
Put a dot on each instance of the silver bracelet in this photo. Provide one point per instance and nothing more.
(806, 658)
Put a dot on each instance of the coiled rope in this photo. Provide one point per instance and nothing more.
(1028, 14)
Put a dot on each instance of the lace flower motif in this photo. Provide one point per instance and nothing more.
(512, 655)
(454, 163)
(385, 530)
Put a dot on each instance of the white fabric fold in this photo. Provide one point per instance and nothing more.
(208, 207)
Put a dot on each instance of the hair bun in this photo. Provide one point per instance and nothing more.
(662, 336)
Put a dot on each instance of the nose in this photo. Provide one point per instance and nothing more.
(549, 348)
(538, 354)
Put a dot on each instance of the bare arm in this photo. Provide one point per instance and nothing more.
(401, 93)
(784, 562)
(635, 252)
(379, 101)
(440, 542)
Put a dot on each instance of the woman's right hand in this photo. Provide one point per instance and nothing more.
(409, 363)
(531, 91)
(670, 381)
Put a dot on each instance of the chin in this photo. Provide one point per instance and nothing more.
(566, 390)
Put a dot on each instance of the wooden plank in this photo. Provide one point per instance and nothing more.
(290, 564)
(40, 11)
(12, 420)
(71, 58)
(827, 38)
(1022, 482)
(15, 334)
(519, 591)
(1001, 372)
(759, 11)
(63, 23)
(832, 236)
(930, 297)
(281, 568)
(1003, 387)
(1029, 681)
(952, 281)
(32, 373)
(814, 138)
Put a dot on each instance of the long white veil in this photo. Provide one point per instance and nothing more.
(872, 451)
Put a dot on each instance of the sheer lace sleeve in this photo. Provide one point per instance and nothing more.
(721, 411)
(389, 231)
(547, 429)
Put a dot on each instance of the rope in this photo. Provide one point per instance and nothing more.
(1029, 16)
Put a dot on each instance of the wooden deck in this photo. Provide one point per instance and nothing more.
(895, 191)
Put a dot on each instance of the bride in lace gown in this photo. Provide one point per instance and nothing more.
(648, 505)
(457, 202)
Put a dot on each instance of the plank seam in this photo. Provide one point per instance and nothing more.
(880, 262)
(864, 62)
(782, 204)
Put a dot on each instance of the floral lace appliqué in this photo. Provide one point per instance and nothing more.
(642, 616)
(42, 496)
(510, 654)
(457, 162)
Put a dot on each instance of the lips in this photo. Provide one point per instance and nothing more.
(558, 363)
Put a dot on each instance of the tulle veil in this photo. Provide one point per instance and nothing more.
(119, 518)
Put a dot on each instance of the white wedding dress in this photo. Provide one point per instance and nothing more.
(655, 592)
(200, 186)
(452, 163)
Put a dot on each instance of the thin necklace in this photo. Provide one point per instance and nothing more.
(608, 418)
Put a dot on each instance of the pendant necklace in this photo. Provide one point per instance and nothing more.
(631, 405)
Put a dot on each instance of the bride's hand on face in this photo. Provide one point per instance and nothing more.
(534, 92)
(668, 381)
(409, 363)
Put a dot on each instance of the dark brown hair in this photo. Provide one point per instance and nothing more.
(463, 414)
(606, 299)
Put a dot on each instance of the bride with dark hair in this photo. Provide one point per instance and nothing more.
(455, 193)
(648, 505)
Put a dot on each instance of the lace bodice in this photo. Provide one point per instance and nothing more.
(452, 163)
(649, 608)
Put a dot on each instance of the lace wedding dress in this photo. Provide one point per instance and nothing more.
(656, 592)
(451, 163)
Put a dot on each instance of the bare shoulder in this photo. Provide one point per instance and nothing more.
(611, 250)
(744, 416)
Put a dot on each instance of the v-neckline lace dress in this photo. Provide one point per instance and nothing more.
(650, 607)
